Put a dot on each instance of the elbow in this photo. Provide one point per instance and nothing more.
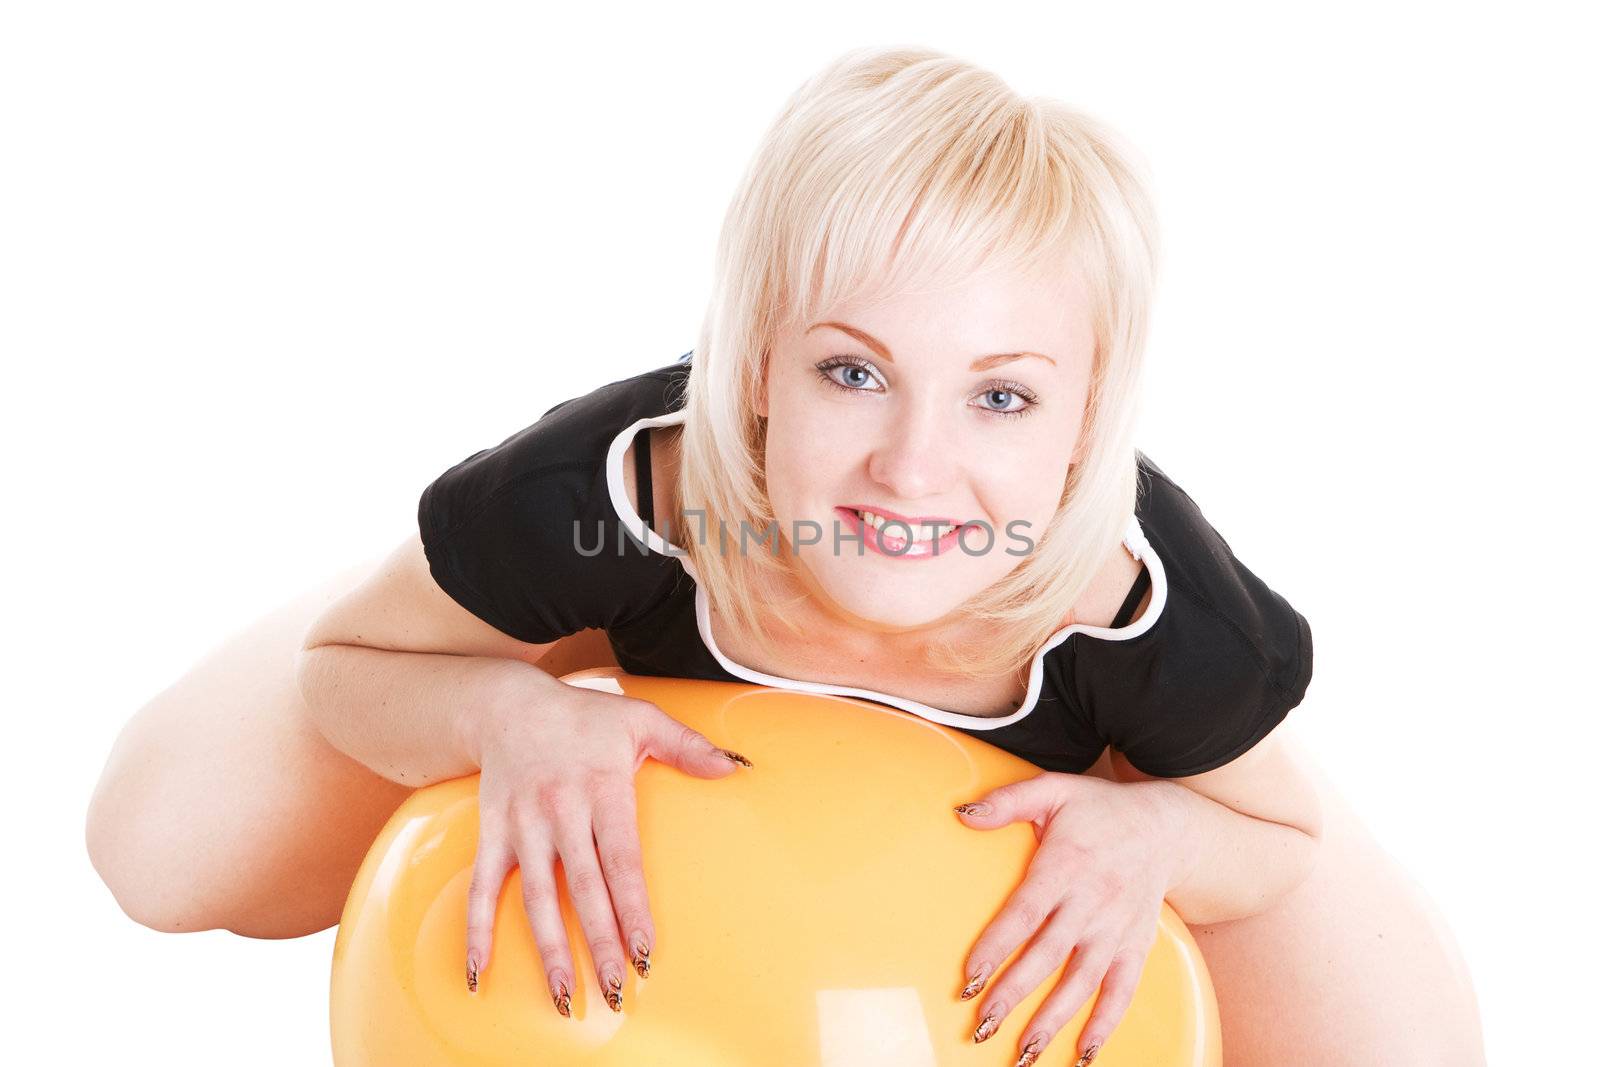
(1306, 817)
(1310, 839)
(305, 665)
(311, 677)
(1309, 852)
(1302, 850)
(317, 677)
(1303, 842)
(1313, 818)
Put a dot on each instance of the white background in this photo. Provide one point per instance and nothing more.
(266, 270)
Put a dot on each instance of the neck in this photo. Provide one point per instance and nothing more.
(829, 624)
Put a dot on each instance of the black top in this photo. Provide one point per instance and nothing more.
(536, 537)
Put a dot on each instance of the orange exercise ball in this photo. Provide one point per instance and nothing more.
(812, 911)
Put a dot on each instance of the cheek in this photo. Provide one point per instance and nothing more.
(1026, 485)
(1016, 499)
(808, 461)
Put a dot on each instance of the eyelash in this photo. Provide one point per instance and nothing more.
(1015, 388)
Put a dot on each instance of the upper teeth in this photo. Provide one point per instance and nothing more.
(919, 532)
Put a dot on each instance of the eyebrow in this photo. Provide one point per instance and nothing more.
(981, 363)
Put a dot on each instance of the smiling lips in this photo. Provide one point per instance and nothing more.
(921, 545)
(913, 521)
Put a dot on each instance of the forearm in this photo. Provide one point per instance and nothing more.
(1227, 865)
(408, 716)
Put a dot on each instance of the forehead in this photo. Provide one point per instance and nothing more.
(1041, 309)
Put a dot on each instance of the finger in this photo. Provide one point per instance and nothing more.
(1028, 800)
(574, 835)
(1084, 972)
(616, 836)
(491, 864)
(541, 902)
(1048, 949)
(679, 745)
(1023, 913)
(1045, 951)
(1116, 993)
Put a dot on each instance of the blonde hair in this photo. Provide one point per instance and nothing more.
(908, 166)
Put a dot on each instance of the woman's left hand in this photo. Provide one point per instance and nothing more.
(1108, 853)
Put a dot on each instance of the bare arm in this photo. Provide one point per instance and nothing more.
(396, 674)
(410, 716)
(1250, 831)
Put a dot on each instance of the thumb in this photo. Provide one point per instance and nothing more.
(1024, 801)
(681, 746)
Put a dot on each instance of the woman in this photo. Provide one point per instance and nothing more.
(899, 465)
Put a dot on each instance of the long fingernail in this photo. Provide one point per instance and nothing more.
(986, 1029)
(614, 990)
(641, 957)
(1030, 1053)
(563, 1000)
(472, 974)
(1088, 1056)
(735, 757)
(975, 983)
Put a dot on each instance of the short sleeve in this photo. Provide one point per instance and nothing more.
(1222, 664)
(523, 534)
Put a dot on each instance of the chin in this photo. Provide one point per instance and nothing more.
(876, 620)
(881, 604)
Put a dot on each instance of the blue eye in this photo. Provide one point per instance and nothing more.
(858, 374)
(1006, 396)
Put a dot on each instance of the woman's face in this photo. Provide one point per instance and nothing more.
(916, 409)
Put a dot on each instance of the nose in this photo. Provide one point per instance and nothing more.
(917, 457)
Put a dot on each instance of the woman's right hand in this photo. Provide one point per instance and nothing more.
(557, 769)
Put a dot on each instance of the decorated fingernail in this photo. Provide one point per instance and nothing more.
(641, 958)
(986, 1029)
(1088, 1056)
(563, 1000)
(472, 974)
(1030, 1053)
(975, 808)
(736, 757)
(975, 984)
(614, 991)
